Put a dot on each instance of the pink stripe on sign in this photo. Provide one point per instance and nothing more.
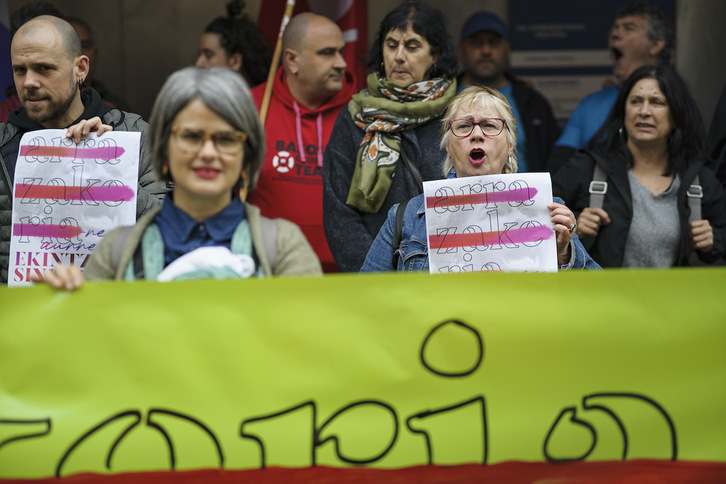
(477, 239)
(99, 194)
(103, 153)
(518, 195)
(61, 232)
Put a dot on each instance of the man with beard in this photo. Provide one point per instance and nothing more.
(484, 52)
(308, 92)
(640, 36)
(48, 68)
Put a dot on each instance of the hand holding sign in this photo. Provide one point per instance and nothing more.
(68, 195)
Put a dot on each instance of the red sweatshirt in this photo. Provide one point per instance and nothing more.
(291, 183)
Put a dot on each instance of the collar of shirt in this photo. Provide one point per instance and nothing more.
(182, 234)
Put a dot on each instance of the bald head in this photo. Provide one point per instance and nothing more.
(299, 26)
(313, 59)
(48, 69)
(64, 33)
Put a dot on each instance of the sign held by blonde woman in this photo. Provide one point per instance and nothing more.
(490, 223)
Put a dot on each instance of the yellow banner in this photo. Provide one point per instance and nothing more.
(382, 371)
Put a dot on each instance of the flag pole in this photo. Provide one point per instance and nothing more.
(275, 61)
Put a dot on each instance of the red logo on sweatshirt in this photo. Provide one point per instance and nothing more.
(283, 161)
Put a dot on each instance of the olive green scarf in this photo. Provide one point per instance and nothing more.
(383, 111)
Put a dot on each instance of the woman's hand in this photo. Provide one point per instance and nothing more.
(65, 277)
(78, 131)
(565, 224)
(590, 221)
(701, 234)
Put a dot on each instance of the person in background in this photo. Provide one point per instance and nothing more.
(651, 150)
(89, 49)
(483, 143)
(48, 69)
(17, 19)
(387, 142)
(207, 139)
(308, 92)
(640, 36)
(484, 53)
(235, 41)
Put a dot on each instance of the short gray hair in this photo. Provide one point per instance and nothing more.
(224, 92)
(471, 95)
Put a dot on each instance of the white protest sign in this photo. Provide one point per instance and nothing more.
(66, 196)
(490, 223)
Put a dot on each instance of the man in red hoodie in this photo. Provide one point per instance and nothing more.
(309, 91)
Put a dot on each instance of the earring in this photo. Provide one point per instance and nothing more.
(165, 168)
(80, 83)
(294, 71)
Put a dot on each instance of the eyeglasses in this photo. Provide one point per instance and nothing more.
(191, 140)
(491, 127)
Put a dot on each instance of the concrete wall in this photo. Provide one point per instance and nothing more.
(141, 42)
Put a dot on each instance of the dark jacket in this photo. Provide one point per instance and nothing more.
(572, 181)
(540, 125)
(349, 231)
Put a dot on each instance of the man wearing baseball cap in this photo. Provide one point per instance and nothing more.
(485, 55)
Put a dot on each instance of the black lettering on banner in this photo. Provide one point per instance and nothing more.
(453, 323)
(246, 434)
(335, 439)
(587, 405)
(420, 417)
(136, 419)
(27, 429)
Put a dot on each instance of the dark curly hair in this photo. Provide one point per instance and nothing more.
(427, 22)
(239, 35)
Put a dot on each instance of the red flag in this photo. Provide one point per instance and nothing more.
(350, 15)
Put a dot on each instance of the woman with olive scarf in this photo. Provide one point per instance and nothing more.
(387, 141)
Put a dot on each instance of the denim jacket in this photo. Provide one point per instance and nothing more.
(413, 251)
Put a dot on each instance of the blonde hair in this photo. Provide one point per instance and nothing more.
(481, 94)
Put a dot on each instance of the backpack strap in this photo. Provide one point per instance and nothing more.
(398, 231)
(694, 194)
(413, 170)
(598, 187)
(269, 239)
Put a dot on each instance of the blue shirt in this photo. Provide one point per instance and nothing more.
(588, 117)
(182, 234)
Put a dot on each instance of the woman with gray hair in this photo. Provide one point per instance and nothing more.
(479, 134)
(207, 142)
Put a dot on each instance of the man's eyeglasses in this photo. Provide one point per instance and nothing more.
(491, 127)
(191, 140)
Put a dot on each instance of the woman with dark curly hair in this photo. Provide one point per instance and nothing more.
(235, 41)
(387, 142)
